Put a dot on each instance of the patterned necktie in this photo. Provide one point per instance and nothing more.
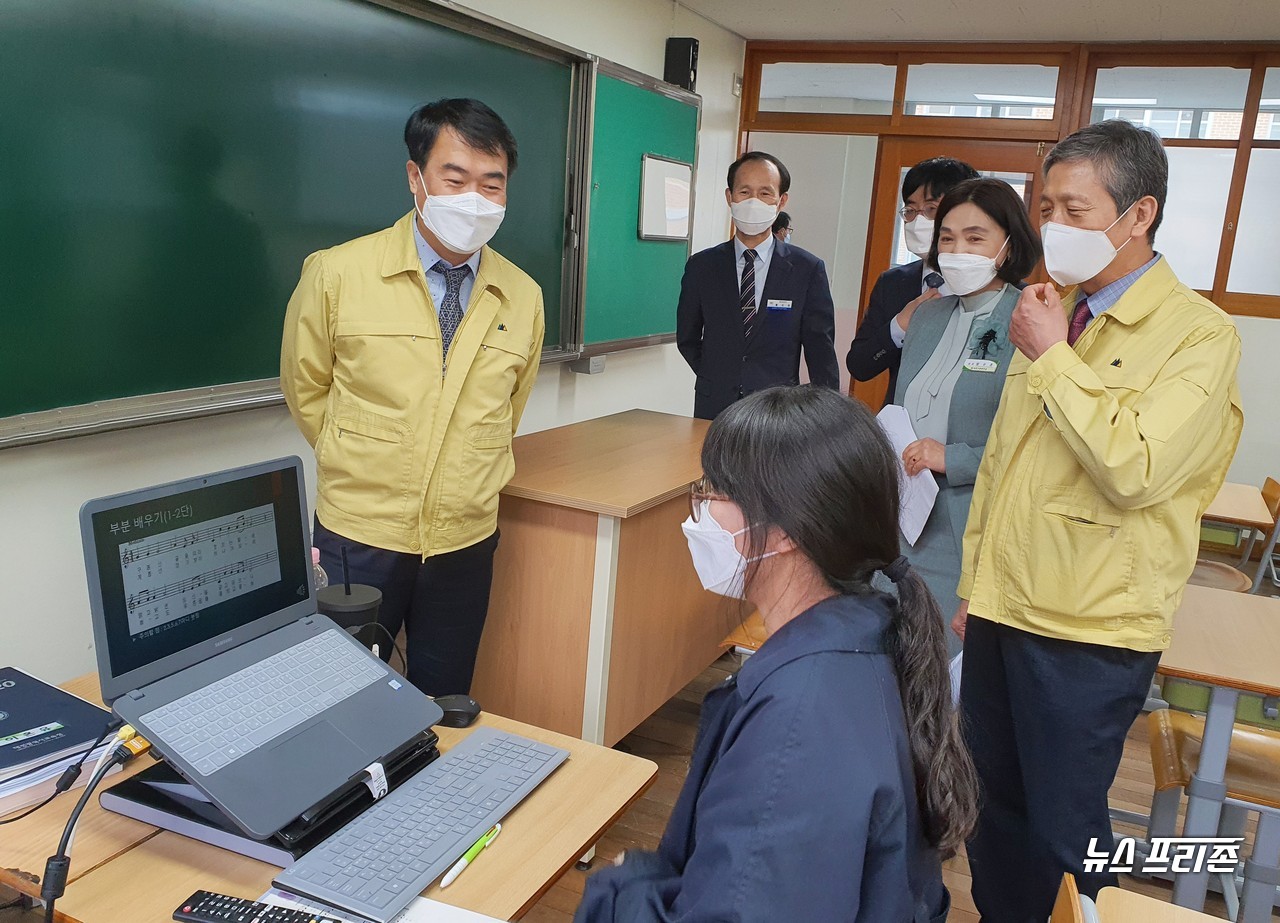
(1079, 320)
(747, 291)
(451, 307)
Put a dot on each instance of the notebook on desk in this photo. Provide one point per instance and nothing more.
(209, 643)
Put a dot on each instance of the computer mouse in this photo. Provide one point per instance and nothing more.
(460, 711)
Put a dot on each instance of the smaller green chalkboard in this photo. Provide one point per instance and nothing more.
(632, 285)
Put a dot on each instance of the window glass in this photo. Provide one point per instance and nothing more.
(1190, 235)
(1254, 266)
(1175, 102)
(1002, 91)
(865, 89)
(1268, 127)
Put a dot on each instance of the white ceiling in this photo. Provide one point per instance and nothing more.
(997, 20)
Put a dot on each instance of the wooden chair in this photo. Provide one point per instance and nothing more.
(1219, 576)
(1071, 906)
(748, 636)
(1270, 496)
(1253, 784)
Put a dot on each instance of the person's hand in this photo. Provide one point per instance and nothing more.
(925, 453)
(904, 316)
(1039, 321)
(960, 618)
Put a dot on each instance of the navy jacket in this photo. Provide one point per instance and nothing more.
(872, 350)
(710, 335)
(800, 801)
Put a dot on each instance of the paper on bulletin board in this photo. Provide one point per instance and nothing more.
(918, 492)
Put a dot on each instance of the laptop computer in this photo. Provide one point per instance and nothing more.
(209, 643)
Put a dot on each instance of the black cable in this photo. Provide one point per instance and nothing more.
(69, 775)
(56, 869)
(404, 661)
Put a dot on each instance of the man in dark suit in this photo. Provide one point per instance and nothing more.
(900, 290)
(748, 306)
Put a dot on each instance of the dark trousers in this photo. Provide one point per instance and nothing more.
(441, 602)
(1046, 721)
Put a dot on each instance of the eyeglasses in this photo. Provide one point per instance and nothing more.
(910, 212)
(699, 491)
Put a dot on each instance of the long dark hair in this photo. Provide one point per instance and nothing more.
(816, 465)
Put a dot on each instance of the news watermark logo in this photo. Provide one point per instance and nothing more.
(1164, 854)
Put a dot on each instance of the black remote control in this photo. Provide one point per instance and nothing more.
(207, 907)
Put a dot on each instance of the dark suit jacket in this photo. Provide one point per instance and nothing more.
(872, 350)
(729, 364)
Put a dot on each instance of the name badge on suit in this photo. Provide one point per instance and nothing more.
(778, 304)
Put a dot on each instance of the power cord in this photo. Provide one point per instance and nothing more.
(355, 630)
(69, 775)
(56, 869)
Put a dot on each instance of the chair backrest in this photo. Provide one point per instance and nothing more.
(1271, 497)
(1066, 909)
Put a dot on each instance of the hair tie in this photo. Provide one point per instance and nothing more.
(898, 569)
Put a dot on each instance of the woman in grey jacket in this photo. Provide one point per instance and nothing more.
(954, 360)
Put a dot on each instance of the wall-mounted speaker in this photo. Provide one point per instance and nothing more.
(682, 63)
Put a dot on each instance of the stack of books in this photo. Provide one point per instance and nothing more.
(43, 730)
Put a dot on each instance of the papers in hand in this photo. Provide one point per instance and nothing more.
(918, 492)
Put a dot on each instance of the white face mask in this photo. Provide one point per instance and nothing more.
(721, 567)
(751, 216)
(965, 273)
(1075, 255)
(919, 234)
(464, 223)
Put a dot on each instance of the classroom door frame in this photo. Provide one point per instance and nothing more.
(895, 153)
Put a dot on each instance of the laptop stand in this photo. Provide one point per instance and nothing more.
(161, 797)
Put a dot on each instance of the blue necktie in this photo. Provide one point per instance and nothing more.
(451, 307)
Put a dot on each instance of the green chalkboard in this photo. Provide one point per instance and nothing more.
(166, 165)
(632, 285)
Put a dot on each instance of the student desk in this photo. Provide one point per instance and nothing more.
(597, 617)
(1230, 641)
(123, 871)
(1240, 505)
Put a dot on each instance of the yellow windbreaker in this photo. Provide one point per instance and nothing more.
(410, 458)
(1085, 519)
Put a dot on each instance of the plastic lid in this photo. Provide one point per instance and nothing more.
(315, 555)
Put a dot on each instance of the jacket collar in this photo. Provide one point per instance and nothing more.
(1143, 297)
(841, 623)
(401, 255)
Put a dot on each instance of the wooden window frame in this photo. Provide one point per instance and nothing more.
(1078, 65)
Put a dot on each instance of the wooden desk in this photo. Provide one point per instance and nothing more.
(540, 840)
(1230, 641)
(597, 617)
(1240, 505)
(1119, 906)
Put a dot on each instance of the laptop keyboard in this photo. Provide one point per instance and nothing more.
(217, 725)
(377, 864)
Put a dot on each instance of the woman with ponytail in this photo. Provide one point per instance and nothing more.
(828, 780)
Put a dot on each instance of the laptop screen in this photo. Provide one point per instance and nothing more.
(177, 567)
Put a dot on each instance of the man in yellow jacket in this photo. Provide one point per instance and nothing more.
(407, 360)
(1116, 426)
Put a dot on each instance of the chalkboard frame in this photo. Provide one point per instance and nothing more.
(170, 406)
